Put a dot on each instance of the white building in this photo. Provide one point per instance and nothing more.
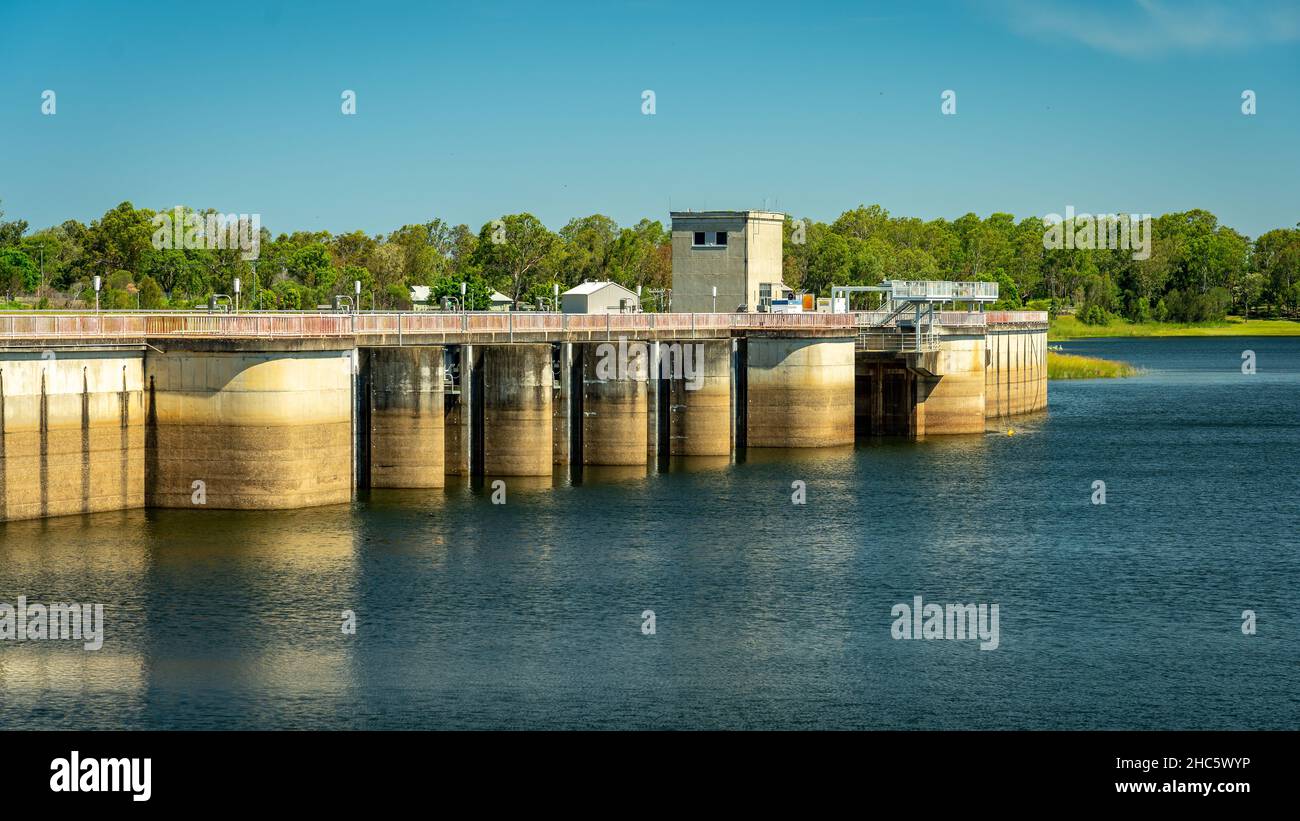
(600, 298)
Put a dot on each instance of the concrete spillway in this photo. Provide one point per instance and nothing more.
(261, 423)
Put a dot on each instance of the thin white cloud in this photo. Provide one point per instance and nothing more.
(1149, 28)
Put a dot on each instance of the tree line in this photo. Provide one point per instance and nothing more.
(1197, 268)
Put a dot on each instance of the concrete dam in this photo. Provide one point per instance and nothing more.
(111, 411)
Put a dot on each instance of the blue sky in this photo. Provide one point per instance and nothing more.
(466, 111)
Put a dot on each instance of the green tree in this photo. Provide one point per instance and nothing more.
(151, 293)
(512, 252)
(11, 232)
(121, 239)
(587, 245)
(18, 273)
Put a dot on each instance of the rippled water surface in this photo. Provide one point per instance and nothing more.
(767, 614)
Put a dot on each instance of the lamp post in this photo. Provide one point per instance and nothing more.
(715, 299)
(556, 302)
(462, 297)
(98, 282)
(236, 289)
(356, 289)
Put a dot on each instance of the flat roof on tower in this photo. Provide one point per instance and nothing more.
(746, 213)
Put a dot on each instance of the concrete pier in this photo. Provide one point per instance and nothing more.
(615, 403)
(517, 417)
(700, 410)
(234, 426)
(800, 393)
(407, 432)
(950, 399)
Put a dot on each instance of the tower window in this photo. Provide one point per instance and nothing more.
(710, 239)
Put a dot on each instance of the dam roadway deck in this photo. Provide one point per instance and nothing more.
(411, 328)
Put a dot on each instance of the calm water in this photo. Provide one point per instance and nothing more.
(767, 614)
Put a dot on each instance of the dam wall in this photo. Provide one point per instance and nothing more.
(281, 422)
(71, 432)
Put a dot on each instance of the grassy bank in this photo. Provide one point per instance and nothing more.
(1071, 366)
(1067, 327)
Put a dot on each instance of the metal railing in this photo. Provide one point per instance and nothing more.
(943, 290)
(163, 324)
(1016, 317)
(898, 341)
(947, 319)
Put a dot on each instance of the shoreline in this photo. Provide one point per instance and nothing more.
(1066, 328)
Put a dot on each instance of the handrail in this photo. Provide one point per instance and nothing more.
(266, 324)
(893, 341)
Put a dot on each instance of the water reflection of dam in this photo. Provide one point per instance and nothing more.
(284, 578)
(256, 412)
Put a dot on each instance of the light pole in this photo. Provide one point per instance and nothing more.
(556, 302)
(98, 282)
(236, 285)
(356, 288)
(462, 297)
(715, 299)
